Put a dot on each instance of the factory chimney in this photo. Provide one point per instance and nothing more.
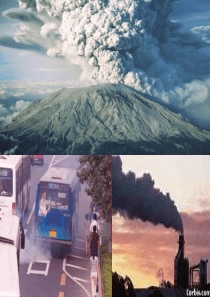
(181, 266)
(180, 253)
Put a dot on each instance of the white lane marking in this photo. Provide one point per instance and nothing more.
(80, 240)
(78, 267)
(29, 218)
(51, 161)
(73, 256)
(45, 272)
(57, 159)
(64, 269)
(81, 280)
(79, 248)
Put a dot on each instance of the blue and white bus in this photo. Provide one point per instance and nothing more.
(57, 206)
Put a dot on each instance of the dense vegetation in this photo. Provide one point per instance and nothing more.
(96, 172)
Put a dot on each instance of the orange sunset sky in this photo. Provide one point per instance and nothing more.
(140, 249)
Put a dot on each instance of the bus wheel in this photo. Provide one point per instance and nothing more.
(55, 251)
(59, 250)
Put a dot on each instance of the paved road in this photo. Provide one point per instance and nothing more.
(40, 273)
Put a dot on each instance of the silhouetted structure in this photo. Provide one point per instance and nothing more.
(122, 287)
(129, 287)
(200, 269)
(181, 266)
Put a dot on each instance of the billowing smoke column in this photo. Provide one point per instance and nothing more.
(138, 198)
(118, 38)
(132, 42)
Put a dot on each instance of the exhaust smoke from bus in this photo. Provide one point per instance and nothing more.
(34, 251)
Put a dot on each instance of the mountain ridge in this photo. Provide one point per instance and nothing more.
(92, 119)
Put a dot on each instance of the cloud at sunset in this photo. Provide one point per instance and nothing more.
(140, 249)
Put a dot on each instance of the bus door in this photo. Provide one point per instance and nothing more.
(54, 211)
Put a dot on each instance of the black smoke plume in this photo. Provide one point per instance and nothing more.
(138, 198)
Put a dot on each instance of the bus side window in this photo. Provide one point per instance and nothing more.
(17, 184)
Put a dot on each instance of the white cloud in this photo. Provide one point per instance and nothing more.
(7, 114)
(203, 31)
(16, 96)
(19, 105)
(31, 90)
(3, 111)
(49, 29)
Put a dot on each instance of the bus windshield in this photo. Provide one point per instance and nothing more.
(6, 182)
(53, 196)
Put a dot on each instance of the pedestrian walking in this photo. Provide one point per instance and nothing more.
(87, 234)
(95, 242)
(94, 272)
(91, 211)
(94, 223)
(97, 210)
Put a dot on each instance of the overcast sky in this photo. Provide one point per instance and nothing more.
(140, 248)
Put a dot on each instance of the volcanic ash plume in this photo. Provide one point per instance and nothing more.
(131, 42)
(138, 198)
(115, 37)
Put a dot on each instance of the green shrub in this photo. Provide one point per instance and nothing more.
(106, 268)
